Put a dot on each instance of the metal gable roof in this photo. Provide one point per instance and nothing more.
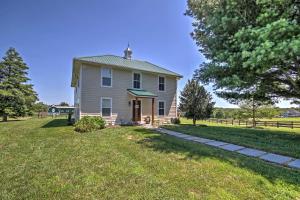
(123, 62)
(128, 63)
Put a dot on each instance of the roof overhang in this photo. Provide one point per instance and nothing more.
(75, 72)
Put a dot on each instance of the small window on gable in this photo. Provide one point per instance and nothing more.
(106, 106)
(161, 83)
(136, 80)
(106, 77)
(161, 108)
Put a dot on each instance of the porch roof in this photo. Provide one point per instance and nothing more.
(141, 93)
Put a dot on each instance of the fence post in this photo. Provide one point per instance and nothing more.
(292, 124)
(277, 124)
(232, 122)
(239, 122)
(265, 123)
(246, 123)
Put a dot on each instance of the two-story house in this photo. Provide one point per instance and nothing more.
(123, 90)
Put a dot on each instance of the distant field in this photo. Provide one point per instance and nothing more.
(284, 129)
(281, 119)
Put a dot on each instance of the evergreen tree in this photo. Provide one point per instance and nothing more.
(252, 47)
(195, 101)
(16, 95)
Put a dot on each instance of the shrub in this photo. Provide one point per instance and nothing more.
(87, 124)
(175, 120)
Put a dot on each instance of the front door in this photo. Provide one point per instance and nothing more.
(136, 110)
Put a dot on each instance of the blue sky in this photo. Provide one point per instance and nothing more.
(49, 34)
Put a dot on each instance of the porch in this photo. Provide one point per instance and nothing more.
(141, 101)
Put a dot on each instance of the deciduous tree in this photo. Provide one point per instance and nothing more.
(63, 104)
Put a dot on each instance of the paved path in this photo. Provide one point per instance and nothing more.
(263, 155)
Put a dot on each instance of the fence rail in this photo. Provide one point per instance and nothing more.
(247, 123)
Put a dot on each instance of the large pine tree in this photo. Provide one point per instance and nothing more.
(195, 101)
(253, 44)
(16, 94)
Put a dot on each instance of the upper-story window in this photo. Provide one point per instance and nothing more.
(161, 83)
(137, 80)
(106, 77)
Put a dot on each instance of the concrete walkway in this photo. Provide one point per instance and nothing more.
(263, 155)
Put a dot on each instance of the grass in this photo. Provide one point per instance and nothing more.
(45, 159)
(277, 140)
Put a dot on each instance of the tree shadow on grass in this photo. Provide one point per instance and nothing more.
(169, 144)
(11, 120)
(56, 123)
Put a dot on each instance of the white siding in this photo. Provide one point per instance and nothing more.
(91, 93)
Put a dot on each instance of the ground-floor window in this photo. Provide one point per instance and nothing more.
(161, 108)
(106, 106)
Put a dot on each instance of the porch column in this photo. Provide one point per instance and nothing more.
(136, 110)
(152, 120)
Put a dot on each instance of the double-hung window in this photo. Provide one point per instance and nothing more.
(161, 83)
(136, 80)
(106, 77)
(161, 108)
(106, 107)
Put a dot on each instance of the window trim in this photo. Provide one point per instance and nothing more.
(164, 83)
(111, 83)
(141, 78)
(102, 107)
(164, 108)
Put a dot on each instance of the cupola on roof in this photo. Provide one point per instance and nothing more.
(128, 52)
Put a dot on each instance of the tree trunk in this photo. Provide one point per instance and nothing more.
(253, 114)
(194, 121)
(5, 117)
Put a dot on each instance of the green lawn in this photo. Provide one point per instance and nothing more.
(284, 141)
(45, 159)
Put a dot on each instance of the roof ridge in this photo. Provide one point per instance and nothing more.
(113, 56)
(96, 56)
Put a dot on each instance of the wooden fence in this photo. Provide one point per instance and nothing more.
(247, 123)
